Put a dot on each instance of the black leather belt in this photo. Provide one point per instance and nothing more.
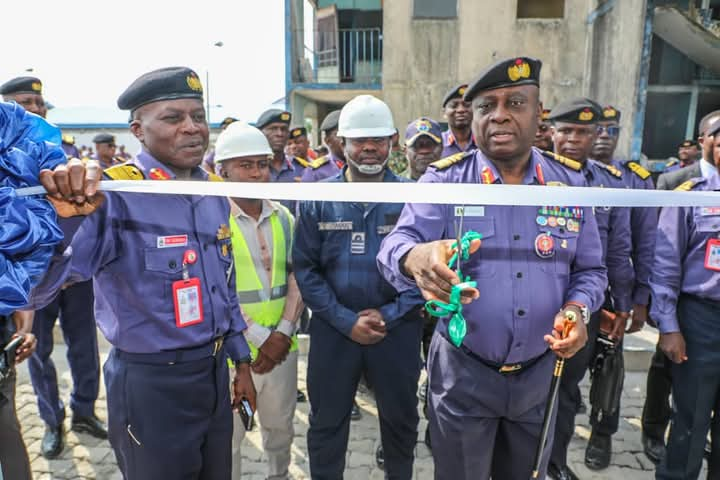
(501, 368)
(172, 357)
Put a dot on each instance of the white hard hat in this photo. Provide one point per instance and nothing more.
(240, 140)
(365, 116)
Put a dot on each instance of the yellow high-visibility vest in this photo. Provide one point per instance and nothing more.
(263, 309)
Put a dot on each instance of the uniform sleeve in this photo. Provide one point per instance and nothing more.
(588, 275)
(666, 277)
(621, 276)
(662, 182)
(236, 345)
(402, 304)
(90, 243)
(315, 290)
(418, 223)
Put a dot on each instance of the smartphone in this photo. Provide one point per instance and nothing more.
(246, 414)
(10, 350)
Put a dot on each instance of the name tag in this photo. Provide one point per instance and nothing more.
(471, 211)
(708, 211)
(384, 229)
(326, 226)
(172, 241)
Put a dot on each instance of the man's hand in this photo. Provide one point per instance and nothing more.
(72, 188)
(369, 328)
(26, 348)
(639, 318)
(276, 347)
(619, 325)
(243, 387)
(575, 340)
(427, 264)
(673, 345)
(262, 364)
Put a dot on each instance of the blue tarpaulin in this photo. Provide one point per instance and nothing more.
(28, 226)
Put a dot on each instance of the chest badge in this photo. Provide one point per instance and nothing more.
(544, 245)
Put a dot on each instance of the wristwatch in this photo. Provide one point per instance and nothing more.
(584, 312)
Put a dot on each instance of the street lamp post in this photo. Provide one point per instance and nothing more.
(207, 84)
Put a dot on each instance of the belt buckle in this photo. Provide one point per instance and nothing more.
(217, 345)
(510, 368)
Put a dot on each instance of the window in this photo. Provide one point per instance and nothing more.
(540, 8)
(434, 8)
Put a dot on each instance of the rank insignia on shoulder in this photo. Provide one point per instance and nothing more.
(303, 163)
(319, 162)
(638, 170)
(611, 169)
(446, 162)
(223, 232)
(672, 163)
(689, 185)
(158, 174)
(214, 178)
(124, 171)
(567, 162)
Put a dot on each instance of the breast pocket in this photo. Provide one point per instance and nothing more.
(707, 223)
(564, 247)
(485, 260)
(164, 266)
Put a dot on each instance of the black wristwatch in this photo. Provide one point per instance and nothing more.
(245, 359)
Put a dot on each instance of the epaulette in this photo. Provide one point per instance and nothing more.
(319, 162)
(672, 162)
(303, 163)
(611, 169)
(689, 185)
(638, 170)
(124, 171)
(214, 178)
(567, 162)
(446, 162)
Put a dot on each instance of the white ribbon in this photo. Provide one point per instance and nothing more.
(436, 193)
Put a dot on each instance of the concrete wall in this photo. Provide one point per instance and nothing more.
(423, 59)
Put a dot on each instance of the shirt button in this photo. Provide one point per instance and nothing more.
(213, 289)
(172, 264)
(519, 275)
(516, 237)
(521, 312)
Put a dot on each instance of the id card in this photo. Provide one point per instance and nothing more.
(187, 296)
(712, 255)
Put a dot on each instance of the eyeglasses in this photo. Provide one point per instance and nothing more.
(612, 130)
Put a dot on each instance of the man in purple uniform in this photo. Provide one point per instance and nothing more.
(458, 137)
(328, 165)
(166, 297)
(685, 284)
(487, 396)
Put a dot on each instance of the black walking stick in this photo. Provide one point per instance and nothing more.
(570, 320)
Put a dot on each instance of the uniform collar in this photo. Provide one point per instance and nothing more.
(147, 163)
(534, 175)
(451, 140)
(286, 165)
(388, 177)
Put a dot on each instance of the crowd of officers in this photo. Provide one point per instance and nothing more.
(200, 297)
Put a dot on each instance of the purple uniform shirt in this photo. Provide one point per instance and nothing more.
(522, 285)
(615, 235)
(681, 245)
(643, 223)
(451, 147)
(290, 171)
(326, 170)
(71, 151)
(125, 247)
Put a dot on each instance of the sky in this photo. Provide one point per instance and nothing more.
(86, 52)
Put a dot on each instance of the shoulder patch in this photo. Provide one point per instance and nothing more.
(214, 178)
(567, 162)
(689, 185)
(124, 171)
(611, 169)
(319, 162)
(638, 170)
(446, 162)
(672, 162)
(303, 163)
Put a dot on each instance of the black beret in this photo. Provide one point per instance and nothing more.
(580, 110)
(692, 143)
(456, 92)
(506, 73)
(21, 85)
(169, 83)
(611, 113)
(296, 132)
(104, 138)
(331, 121)
(274, 115)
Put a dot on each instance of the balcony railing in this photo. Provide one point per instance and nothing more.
(342, 56)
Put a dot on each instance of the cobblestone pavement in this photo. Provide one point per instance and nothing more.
(88, 458)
